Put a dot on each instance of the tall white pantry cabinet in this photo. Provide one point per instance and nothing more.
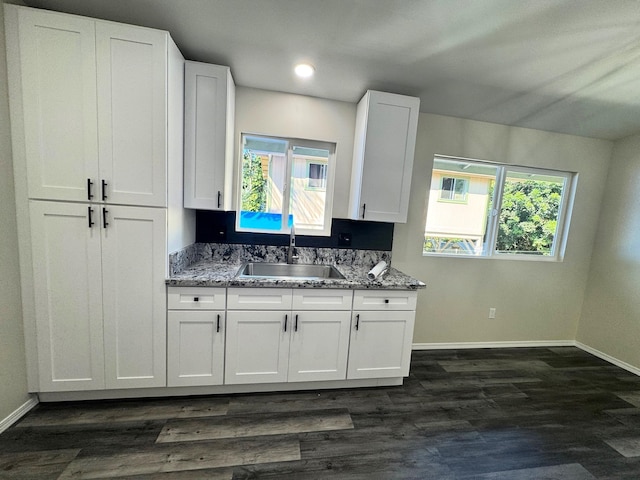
(97, 116)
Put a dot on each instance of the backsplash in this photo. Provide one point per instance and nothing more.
(219, 227)
(237, 254)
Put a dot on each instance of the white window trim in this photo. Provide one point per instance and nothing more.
(284, 228)
(564, 213)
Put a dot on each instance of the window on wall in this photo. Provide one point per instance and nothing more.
(317, 175)
(484, 209)
(283, 182)
(454, 189)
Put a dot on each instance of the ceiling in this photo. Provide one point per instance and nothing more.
(569, 66)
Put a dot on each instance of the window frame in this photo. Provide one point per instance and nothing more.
(291, 142)
(565, 209)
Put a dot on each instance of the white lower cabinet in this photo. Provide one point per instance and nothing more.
(319, 346)
(67, 284)
(195, 348)
(279, 335)
(381, 339)
(195, 336)
(277, 341)
(133, 296)
(99, 295)
(257, 346)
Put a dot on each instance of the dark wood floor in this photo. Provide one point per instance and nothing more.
(504, 414)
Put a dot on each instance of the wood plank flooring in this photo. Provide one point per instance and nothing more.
(501, 414)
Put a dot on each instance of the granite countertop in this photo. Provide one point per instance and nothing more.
(209, 273)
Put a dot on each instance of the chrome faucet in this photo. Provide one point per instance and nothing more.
(291, 252)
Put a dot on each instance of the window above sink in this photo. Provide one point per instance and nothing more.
(282, 179)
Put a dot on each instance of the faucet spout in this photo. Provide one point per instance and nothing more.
(291, 251)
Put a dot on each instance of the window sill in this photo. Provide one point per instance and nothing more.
(525, 258)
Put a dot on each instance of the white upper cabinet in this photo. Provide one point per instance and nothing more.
(384, 147)
(95, 109)
(208, 136)
(57, 59)
(132, 114)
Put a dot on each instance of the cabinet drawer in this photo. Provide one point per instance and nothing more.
(259, 299)
(384, 300)
(308, 299)
(196, 298)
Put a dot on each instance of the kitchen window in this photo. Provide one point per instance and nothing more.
(502, 211)
(285, 181)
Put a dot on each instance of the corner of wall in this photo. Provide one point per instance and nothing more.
(13, 373)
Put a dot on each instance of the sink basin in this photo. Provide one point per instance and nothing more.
(286, 271)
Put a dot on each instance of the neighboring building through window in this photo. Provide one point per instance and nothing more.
(496, 210)
(286, 181)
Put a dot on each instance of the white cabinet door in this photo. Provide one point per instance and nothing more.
(68, 296)
(386, 127)
(380, 344)
(134, 299)
(208, 136)
(257, 346)
(319, 345)
(132, 114)
(57, 62)
(195, 348)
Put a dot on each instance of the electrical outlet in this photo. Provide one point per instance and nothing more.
(492, 312)
(344, 239)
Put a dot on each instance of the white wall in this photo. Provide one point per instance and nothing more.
(13, 373)
(288, 115)
(610, 319)
(534, 300)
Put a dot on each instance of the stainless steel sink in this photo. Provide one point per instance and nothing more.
(287, 271)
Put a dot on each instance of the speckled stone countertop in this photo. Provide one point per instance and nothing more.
(211, 273)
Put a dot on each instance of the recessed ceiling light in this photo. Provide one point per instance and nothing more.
(304, 70)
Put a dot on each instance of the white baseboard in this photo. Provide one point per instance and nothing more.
(619, 363)
(18, 413)
(510, 344)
